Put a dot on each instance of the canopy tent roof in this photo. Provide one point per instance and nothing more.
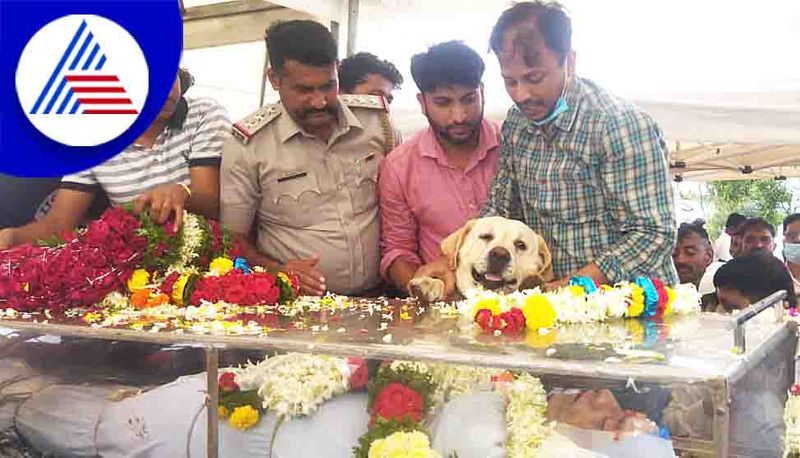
(722, 126)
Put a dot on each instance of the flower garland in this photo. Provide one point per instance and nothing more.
(526, 416)
(400, 395)
(80, 269)
(291, 385)
(582, 301)
(791, 417)
(403, 392)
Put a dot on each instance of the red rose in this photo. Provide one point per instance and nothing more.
(236, 294)
(169, 283)
(396, 402)
(359, 373)
(795, 389)
(227, 382)
(483, 317)
(514, 321)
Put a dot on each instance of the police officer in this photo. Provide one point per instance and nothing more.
(298, 181)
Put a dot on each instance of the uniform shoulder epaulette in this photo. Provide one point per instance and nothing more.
(250, 125)
(375, 102)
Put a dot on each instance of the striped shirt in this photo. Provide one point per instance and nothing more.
(594, 183)
(137, 169)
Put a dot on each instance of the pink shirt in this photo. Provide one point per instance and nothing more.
(424, 199)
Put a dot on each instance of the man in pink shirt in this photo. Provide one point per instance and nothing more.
(439, 178)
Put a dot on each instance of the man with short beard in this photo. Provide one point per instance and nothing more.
(299, 182)
(582, 167)
(437, 180)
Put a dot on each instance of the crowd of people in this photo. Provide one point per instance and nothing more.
(322, 185)
(739, 268)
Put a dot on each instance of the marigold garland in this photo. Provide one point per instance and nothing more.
(582, 301)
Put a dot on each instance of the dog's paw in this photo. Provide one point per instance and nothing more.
(426, 289)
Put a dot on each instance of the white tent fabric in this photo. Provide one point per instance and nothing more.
(734, 95)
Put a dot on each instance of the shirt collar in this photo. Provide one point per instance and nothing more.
(574, 95)
(288, 128)
(487, 140)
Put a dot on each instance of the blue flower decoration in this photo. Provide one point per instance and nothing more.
(241, 264)
(584, 282)
(650, 296)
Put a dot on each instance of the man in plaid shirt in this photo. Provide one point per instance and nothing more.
(586, 170)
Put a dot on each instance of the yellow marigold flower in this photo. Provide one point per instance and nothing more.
(539, 312)
(178, 287)
(402, 444)
(576, 290)
(243, 417)
(223, 412)
(491, 304)
(138, 280)
(221, 265)
(671, 294)
(91, 317)
(636, 306)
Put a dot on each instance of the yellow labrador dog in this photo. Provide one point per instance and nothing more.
(492, 253)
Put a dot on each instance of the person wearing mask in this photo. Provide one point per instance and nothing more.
(583, 168)
(791, 247)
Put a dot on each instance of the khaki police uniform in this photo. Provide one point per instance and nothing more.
(309, 197)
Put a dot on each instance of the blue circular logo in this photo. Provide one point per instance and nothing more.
(90, 76)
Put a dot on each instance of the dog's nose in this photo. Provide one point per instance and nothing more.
(499, 258)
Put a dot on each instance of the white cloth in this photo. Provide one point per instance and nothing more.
(706, 285)
(158, 424)
(722, 247)
(474, 425)
(62, 420)
(81, 421)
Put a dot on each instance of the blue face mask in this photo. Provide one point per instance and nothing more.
(560, 107)
(791, 252)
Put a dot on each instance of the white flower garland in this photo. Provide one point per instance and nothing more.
(192, 238)
(791, 416)
(295, 384)
(527, 427)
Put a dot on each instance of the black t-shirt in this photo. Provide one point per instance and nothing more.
(23, 200)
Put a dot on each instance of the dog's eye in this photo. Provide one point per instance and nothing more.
(486, 237)
(520, 245)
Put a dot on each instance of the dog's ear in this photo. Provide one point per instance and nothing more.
(544, 270)
(452, 243)
(546, 258)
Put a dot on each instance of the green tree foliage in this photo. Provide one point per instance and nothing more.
(768, 199)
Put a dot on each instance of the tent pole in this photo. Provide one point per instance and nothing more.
(353, 7)
(263, 90)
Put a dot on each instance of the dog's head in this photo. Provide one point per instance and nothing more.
(498, 254)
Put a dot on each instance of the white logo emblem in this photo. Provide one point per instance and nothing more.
(82, 80)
